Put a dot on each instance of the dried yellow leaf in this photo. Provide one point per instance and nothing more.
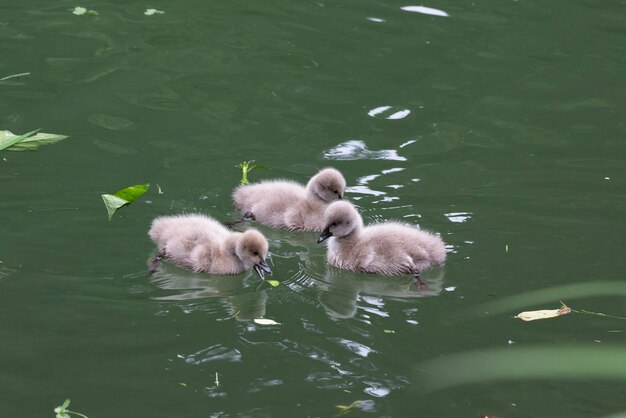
(544, 313)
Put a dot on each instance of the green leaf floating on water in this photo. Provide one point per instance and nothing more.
(123, 197)
(8, 139)
(32, 142)
(274, 283)
(28, 141)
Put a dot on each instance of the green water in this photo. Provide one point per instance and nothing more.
(501, 126)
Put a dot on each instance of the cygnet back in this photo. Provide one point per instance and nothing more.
(288, 205)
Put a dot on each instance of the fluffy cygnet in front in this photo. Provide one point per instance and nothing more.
(200, 243)
(388, 249)
(287, 204)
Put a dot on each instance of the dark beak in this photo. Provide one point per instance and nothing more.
(262, 268)
(340, 197)
(324, 235)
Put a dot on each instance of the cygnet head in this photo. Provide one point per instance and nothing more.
(251, 249)
(340, 219)
(328, 185)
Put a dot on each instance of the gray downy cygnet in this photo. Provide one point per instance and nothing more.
(202, 244)
(289, 205)
(389, 249)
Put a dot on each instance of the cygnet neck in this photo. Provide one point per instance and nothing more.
(351, 237)
(230, 244)
(312, 194)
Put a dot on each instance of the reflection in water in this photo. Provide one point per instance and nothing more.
(357, 348)
(458, 217)
(362, 185)
(390, 111)
(6, 272)
(357, 150)
(184, 285)
(343, 293)
(214, 353)
(425, 10)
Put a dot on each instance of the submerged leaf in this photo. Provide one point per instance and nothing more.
(544, 313)
(265, 321)
(109, 122)
(346, 409)
(123, 197)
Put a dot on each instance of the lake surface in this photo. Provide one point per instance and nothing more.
(498, 124)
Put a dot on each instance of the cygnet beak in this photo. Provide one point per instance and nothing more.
(261, 268)
(340, 196)
(324, 235)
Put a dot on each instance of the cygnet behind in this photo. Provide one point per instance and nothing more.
(289, 205)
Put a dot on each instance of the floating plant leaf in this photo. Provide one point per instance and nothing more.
(63, 412)
(565, 292)
(265, 321)
(544, 313)
(123, 197)
(28, 142)
(8, 139)
(274, 283)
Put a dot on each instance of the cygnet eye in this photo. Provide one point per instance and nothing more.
(255, 252)
(335, 191)
(333, 224)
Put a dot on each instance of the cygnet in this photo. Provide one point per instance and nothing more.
(202, 244)
(389, 249)
(289, 205)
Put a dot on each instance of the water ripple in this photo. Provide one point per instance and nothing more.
(458, 217)
(214, 353)
(357, 150)
(389, 112)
